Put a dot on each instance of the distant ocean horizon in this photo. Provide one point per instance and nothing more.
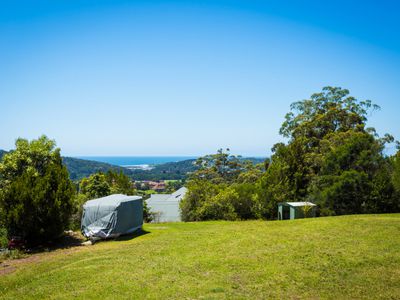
(125, 161)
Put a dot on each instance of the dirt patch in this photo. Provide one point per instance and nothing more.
(70, 243)
(6, 269)
(10, 265)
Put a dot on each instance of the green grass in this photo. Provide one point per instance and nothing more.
(349, 257)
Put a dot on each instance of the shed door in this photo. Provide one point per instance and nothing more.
(285, 212)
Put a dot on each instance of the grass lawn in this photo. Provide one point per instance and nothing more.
(336, 258)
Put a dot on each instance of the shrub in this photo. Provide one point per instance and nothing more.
(221, 206)
(36, 192)
(3, 237)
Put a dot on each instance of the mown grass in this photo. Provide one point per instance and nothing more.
(335, 258)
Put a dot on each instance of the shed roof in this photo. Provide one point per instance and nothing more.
(299, 203)
(112, 200)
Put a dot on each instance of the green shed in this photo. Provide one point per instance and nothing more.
(296, 210)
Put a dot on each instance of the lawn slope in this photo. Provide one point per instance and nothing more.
(335, 258)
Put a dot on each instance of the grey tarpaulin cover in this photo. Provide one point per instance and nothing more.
(112, 216)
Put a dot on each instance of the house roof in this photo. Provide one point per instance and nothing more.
(159, 197)
(178, 195)
(174, 197)
(167, 205)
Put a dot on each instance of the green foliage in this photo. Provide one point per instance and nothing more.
(172, 186)
(273, 187)
(221, 206)
(331, 158)
(36, 192)
(218, 168)
(81, 168)
(95, 186)
(120, 183)
(332, 110)
(199, 191)
(396, 172)
(147, 215)
(168, 171)
(100, 185)
(3, 237)
(224, 187)
(12, 254)
(2, 152)
(79, 200)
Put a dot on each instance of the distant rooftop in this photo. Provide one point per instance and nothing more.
(299, 203)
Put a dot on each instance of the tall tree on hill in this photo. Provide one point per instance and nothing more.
(331, 156)
(396, 172)
(36, 194)
(218, 168)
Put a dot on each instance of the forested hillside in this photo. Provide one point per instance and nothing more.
(79, 168)
(2, 152)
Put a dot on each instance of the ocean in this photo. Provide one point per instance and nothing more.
(127, 161)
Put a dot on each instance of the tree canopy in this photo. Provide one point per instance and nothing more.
(36, 194)
(331, 158)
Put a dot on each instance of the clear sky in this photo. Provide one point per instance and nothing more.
(187, 77)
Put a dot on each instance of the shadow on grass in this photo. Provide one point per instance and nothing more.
(127, 237)
(75, 239)
(68, 240)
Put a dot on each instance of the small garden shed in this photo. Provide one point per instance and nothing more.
(296, 210)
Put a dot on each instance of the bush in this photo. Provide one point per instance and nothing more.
(36, 192)
(75, 221)
(3, 238)
(220, 207)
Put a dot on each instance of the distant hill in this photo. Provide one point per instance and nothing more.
(80, 168)
(2, 152)
(175, 170)
(168, 171)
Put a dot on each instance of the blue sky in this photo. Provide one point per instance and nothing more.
(187, 77)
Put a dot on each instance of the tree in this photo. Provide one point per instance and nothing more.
(222, 188)
(120, 183)
(95, 186)
(173, 185)
(221, 206)
(396, 172)
(331, 156)
(218, 168)
(353, 174)
(101, 185)
(36, 194)
(199, 192)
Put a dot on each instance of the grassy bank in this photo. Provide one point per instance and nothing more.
(337, 257)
